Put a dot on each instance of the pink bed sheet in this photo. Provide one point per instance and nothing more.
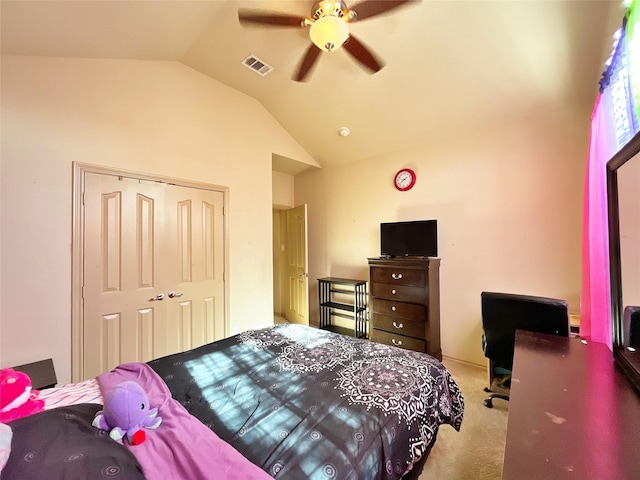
(71, 394)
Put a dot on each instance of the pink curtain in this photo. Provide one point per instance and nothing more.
(613, 123)
(595, 303)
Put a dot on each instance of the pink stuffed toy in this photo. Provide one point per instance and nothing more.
(17, 398)
(126, 412)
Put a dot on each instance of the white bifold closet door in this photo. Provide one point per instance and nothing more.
(153, 270)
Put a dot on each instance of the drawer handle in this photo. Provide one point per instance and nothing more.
(393, 309)
(398, 326)
(396, 276)
(397, 343)
(393, 292)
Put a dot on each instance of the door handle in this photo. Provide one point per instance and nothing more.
(160, 296)
(174, 294)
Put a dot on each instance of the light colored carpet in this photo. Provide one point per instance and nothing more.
(475, 452)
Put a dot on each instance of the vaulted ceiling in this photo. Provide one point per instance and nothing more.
(450, 65)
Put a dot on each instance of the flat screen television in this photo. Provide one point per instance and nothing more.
(409, 239)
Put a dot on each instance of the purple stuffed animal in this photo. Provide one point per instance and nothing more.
(125, 412)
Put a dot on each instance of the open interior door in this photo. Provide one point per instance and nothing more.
(297, 276)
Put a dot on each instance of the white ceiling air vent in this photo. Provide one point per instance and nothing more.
(257, 65)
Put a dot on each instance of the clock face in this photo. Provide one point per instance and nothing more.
(405, 179)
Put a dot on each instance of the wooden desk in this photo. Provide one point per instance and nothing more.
(572, 415)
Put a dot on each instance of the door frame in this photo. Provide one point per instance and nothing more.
(77, 250)
(280, 238)
(278, 260)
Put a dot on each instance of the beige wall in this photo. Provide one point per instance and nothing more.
(282, 186)
(150, 117)
(508, 199)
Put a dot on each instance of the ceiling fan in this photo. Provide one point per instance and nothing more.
(329, 29)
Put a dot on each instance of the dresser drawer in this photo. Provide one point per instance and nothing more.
(401, 293)
(399, 276)
(398, 340)
(400, 326)
(413, 311)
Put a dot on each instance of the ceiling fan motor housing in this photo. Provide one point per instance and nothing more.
(336, 8)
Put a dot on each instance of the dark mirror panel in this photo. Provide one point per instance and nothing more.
(629, 224)
(623, 179)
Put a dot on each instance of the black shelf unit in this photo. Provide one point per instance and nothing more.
(333, 293)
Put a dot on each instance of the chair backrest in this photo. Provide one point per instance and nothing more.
(631, 325)
(504, 313)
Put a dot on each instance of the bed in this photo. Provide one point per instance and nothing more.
(288, 402)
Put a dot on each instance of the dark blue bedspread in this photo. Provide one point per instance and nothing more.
(304, 403)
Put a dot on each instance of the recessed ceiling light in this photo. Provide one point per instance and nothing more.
(344, 131)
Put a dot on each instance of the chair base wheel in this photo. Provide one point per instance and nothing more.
(488, 403)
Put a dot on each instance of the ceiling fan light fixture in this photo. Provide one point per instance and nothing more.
(329, 33)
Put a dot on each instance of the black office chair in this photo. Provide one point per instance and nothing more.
(504, 313)
(631, 327)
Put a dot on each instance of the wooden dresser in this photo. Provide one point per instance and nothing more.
(572, 414)
(405, 303)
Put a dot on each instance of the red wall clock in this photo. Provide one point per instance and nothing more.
(405, 179)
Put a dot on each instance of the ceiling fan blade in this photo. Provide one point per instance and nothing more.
(253, 17)
(371, 8)
(362, 54)
(307, 63)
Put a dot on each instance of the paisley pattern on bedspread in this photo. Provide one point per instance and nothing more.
(306, 403)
